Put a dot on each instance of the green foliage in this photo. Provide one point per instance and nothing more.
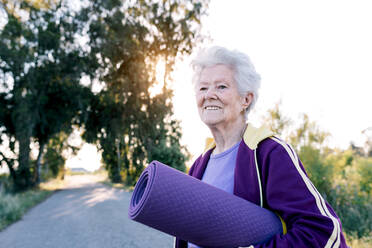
(308, 134)
(353, 207)
(169, 151)
(54, 161)
(40, 71)
(55, 156)
(364, 167)
(343, 177)
(42, 96)
(276, 120)
(339, 160)
(5, 183)
(319, 174)
(130, 125)
(364, 242)
(13, 206)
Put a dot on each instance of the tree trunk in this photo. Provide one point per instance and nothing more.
(12, 171)
(23, 120)
(10, 163)
(38, 162)
(23, 180)
(118, 157)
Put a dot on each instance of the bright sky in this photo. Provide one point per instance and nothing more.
(314, 56)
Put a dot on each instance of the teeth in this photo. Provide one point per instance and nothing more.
(211, 108)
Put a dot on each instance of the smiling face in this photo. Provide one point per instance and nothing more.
(218, 99)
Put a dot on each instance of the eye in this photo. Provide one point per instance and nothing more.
(203, 88)
(221, 86)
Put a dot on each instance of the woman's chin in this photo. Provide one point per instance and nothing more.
(212, 122)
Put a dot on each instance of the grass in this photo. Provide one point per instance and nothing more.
(14, 206)
(52, 185)
(364, 242)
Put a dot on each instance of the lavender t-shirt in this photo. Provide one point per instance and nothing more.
(220, 172)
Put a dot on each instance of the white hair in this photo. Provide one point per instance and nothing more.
(245, 75)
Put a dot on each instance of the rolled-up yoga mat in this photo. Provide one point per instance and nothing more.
(180, 205)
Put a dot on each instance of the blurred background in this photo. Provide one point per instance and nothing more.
(105, 85)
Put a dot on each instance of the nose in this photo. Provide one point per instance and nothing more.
(210, 93)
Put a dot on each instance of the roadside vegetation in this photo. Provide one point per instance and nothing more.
(354, 242)
(342, 176)
(14, 205)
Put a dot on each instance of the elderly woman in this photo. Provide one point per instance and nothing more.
(251, 162)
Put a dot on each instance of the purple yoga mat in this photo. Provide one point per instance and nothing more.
(180, 205)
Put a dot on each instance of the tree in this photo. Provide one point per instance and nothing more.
(277, 121)
(368, 143)
(126, 41)
(40, 71)
(58, 150)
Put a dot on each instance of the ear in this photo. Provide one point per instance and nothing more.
(247, 100)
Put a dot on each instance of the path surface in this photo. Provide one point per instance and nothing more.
(85, 214)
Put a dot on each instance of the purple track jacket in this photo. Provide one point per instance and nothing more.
(269, 173)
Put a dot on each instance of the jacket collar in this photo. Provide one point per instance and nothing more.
(252, 136)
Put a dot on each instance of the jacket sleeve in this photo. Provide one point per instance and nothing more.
(309, 220)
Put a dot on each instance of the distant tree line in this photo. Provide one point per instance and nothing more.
(53, 56)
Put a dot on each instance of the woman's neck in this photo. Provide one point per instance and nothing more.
(227, 136)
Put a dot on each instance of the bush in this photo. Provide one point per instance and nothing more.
(364, 242)
(5, 183)
(54, 164)
(354, 209)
